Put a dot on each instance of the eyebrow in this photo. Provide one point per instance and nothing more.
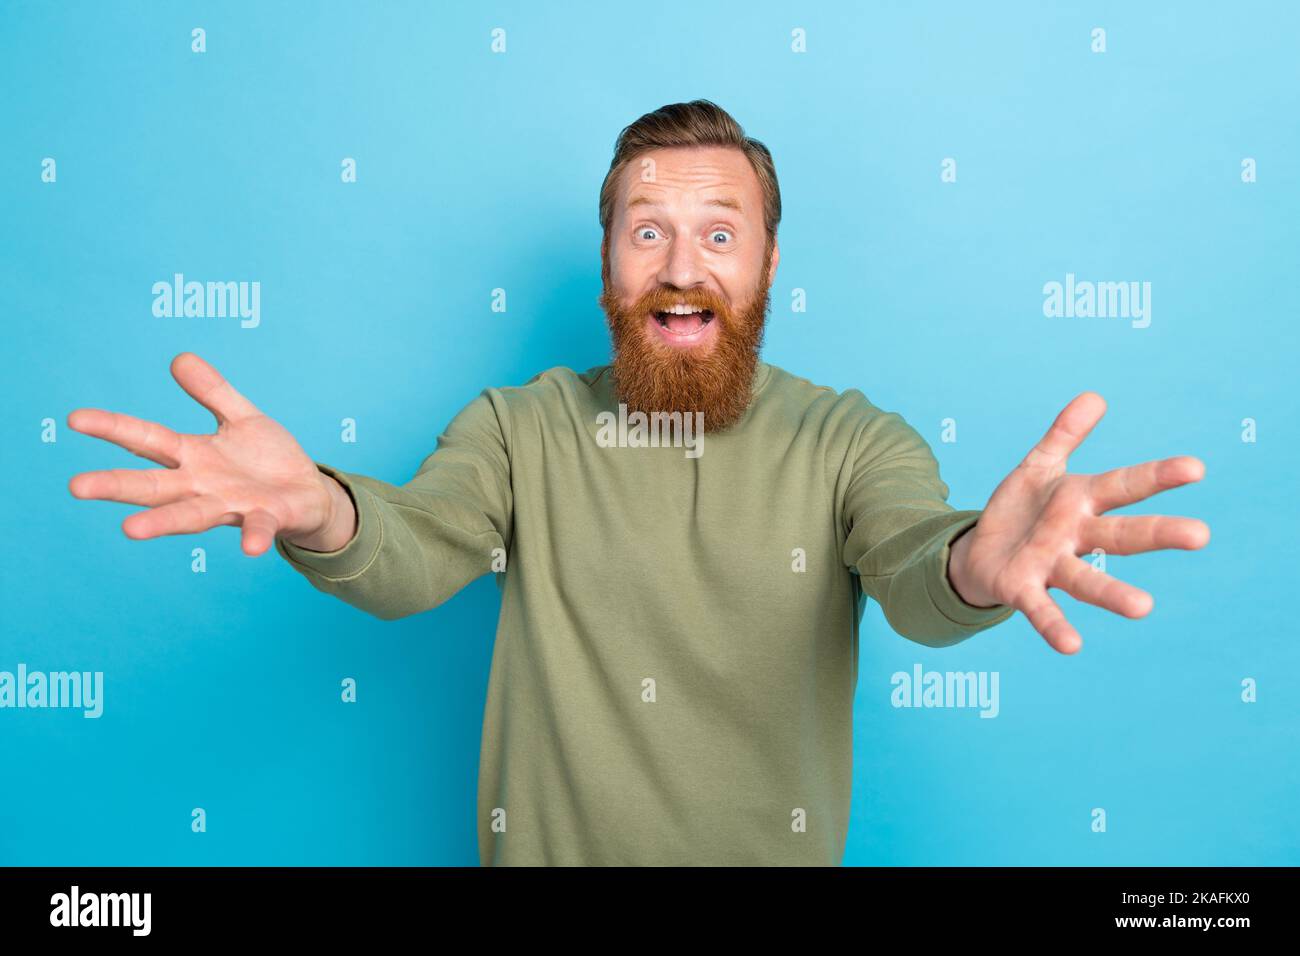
(725, 201)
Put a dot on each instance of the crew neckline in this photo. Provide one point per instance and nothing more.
(762, 375)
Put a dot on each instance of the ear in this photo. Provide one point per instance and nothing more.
(771, 266)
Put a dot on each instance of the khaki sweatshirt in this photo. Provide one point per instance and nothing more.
(673, 676)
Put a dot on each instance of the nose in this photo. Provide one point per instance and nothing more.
(683, 266)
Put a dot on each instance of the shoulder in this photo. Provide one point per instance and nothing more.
(847, 407)
(551, 394)
(561, 376)
(553, 383)
(847, 418)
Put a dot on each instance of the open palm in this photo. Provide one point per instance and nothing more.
(1042, 519)
(250, 473)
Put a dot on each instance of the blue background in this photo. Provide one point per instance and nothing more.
(478, 171)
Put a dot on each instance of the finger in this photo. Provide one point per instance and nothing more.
(1071, 427)
(258, 534)
(1049, 621)
(153, 487)
(1086, 583)
(1134, 534)
(146, 439)
(1123, 486)
(206, 386)
(190, 516)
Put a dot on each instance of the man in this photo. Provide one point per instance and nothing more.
(687, 537)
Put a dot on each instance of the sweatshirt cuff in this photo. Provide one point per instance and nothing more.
(945, 597)
(359, 553)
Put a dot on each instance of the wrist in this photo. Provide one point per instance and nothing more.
(959, 576)
(340, 523)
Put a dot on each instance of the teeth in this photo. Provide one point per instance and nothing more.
(682, 309)
(662, 317)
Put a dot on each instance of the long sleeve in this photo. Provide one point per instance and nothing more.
(900, 531)
(417, 544)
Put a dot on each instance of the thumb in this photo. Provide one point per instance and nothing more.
(258, 535)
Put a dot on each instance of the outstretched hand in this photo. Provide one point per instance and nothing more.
(250, 472)
(1041, 519)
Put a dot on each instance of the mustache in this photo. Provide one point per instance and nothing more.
(663, 299)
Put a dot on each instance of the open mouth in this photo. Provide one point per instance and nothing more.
(684, 323)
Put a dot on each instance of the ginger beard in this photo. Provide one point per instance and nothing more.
(714, 378)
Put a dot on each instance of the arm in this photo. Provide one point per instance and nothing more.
(901, 533)
(417, 544)
(386, 549)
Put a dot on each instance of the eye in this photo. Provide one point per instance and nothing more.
(719, 232)
(641, 233)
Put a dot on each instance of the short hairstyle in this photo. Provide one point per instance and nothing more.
(697, 123)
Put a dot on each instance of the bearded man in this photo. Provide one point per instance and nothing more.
(676, 655)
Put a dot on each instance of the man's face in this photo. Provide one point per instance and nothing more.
(687, 236)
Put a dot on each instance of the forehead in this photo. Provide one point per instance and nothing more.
(711, 177)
